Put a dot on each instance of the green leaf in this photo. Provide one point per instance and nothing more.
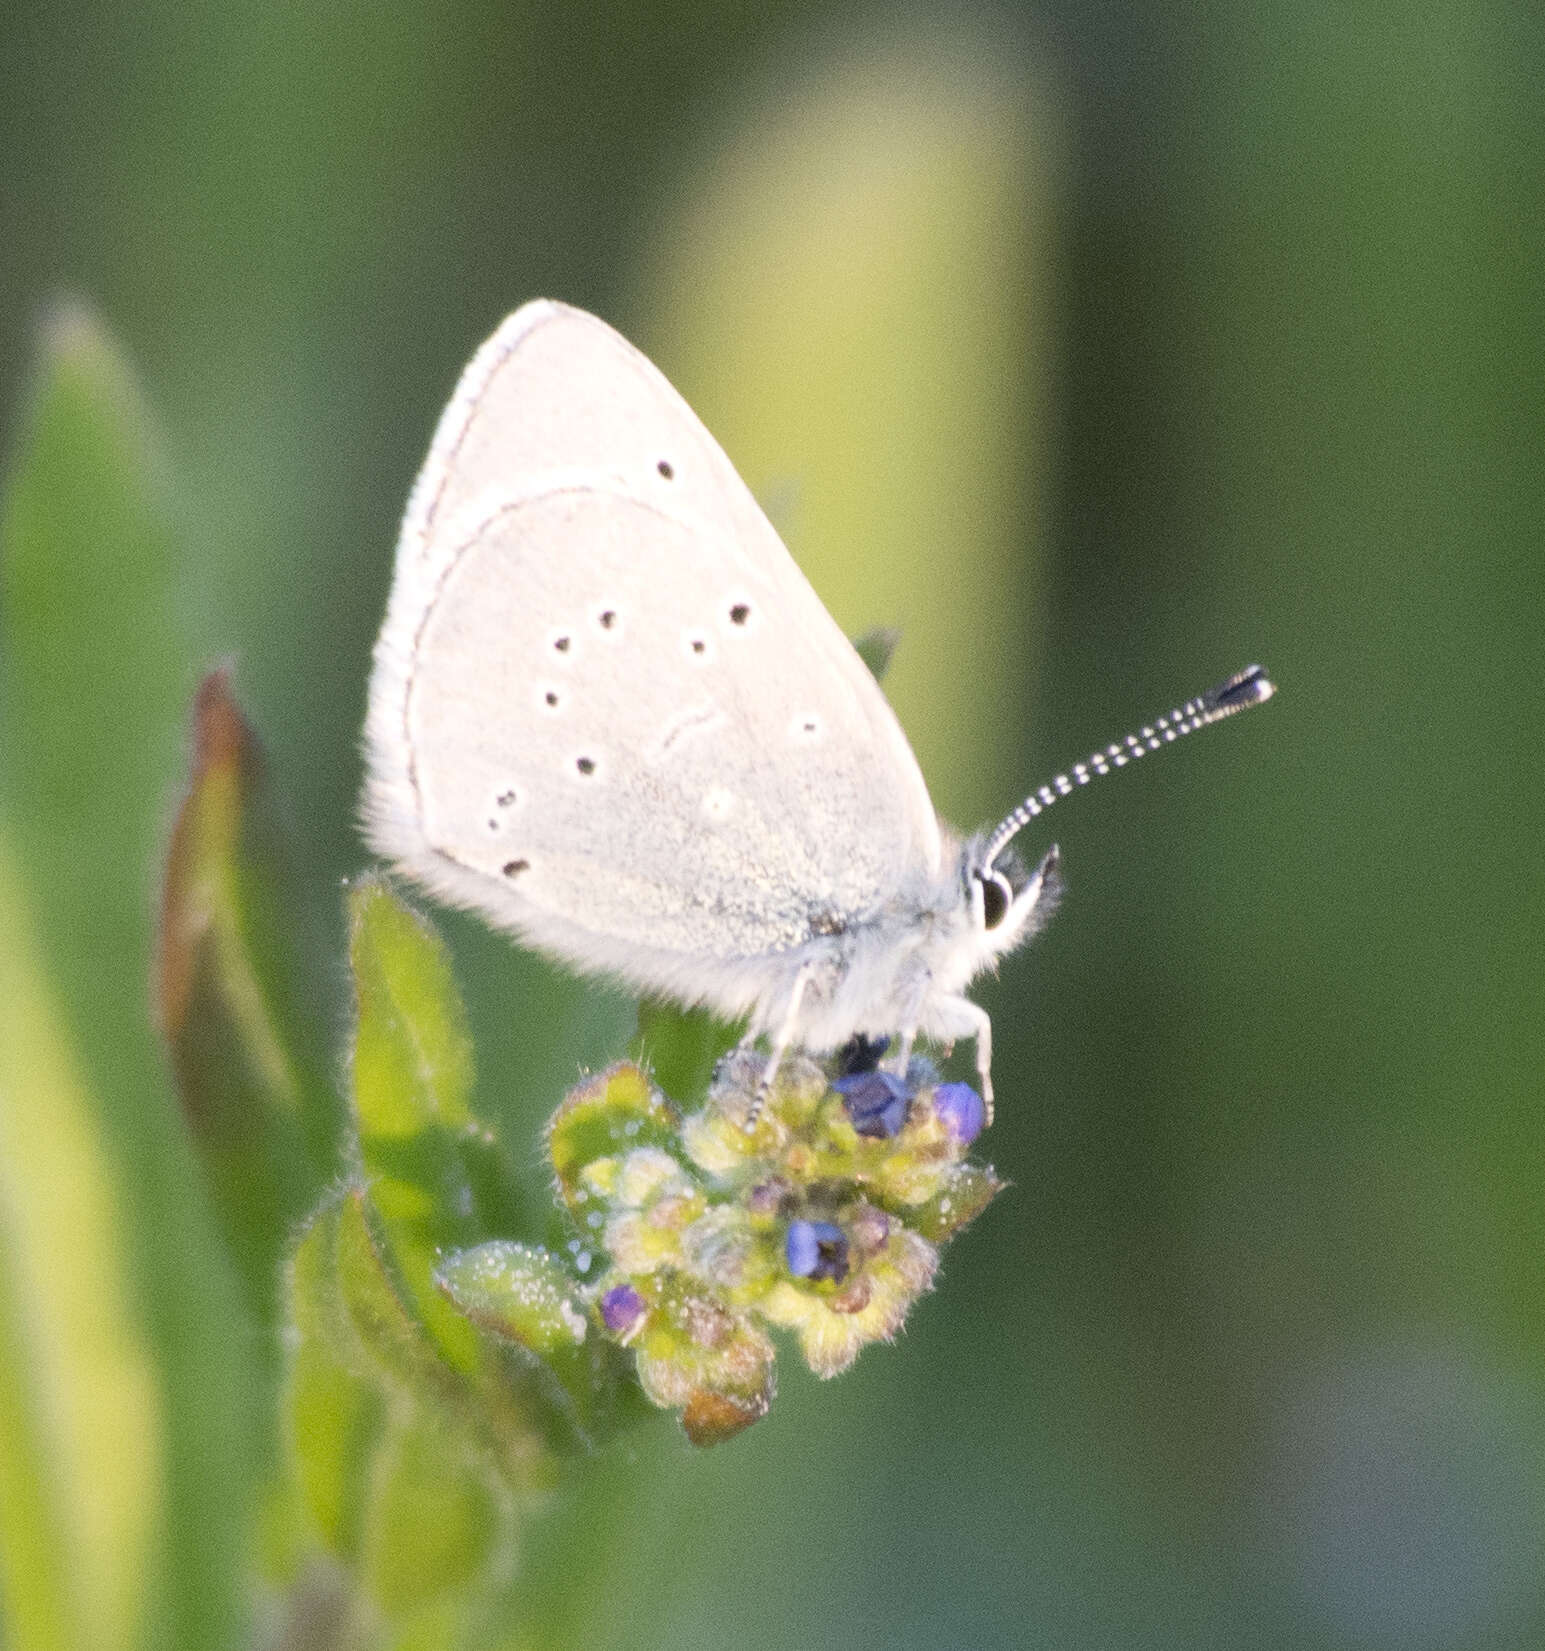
(412, 1053)
(333, 1414)
(434, 1522)
(438, 1183)
(524, 1295)
(412, 1089)
(519, 1291)
(510, 1422)
(967, 1190)
(240, 1023)
(374, 1309)
(394, 1454)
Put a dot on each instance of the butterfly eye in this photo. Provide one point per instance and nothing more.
(997, 897)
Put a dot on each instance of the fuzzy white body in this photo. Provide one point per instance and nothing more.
(609, 714)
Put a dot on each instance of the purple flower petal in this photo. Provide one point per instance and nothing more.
(959, 1108)
(622, 1310)
(816, 1249)
(876, 1103)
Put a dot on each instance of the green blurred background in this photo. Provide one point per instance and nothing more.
(1104, 349)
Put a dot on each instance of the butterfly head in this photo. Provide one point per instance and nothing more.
(1007, 906)
(1008, 903)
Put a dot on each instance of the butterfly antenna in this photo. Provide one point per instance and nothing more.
(1248, 687)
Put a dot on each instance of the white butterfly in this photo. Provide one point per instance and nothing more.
(609, 713)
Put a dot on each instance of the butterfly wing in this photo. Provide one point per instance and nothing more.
(608, 712)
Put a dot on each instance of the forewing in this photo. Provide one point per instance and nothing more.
(608, 711)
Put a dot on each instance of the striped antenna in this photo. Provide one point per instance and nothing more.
(1250, 686)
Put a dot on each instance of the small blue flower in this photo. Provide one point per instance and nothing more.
(876, 1102)
(817, 1249)
(960, 1110)
(622, 1310)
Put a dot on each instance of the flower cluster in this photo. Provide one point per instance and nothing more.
(818, 1207)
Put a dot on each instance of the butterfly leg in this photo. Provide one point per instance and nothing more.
(902, 1059)
(973, 1023)
(984, 1058)
(782, 1038)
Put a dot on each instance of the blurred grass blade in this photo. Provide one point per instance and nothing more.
(81, 1462)
(94, 659)
(245, 1039)
(93, 680)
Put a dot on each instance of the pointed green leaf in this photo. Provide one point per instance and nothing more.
(412, 1089)
(577, 1380)
(95, 663)
(376, 1311)
(519, 1291)
(967, 1190)
(412, 1053)
(348, 1309)
(246, 1042)
(524, 1295)
(513, 1421)
(437, 1181)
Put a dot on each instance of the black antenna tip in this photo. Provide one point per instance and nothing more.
(1245, 688)
(1250, 686)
